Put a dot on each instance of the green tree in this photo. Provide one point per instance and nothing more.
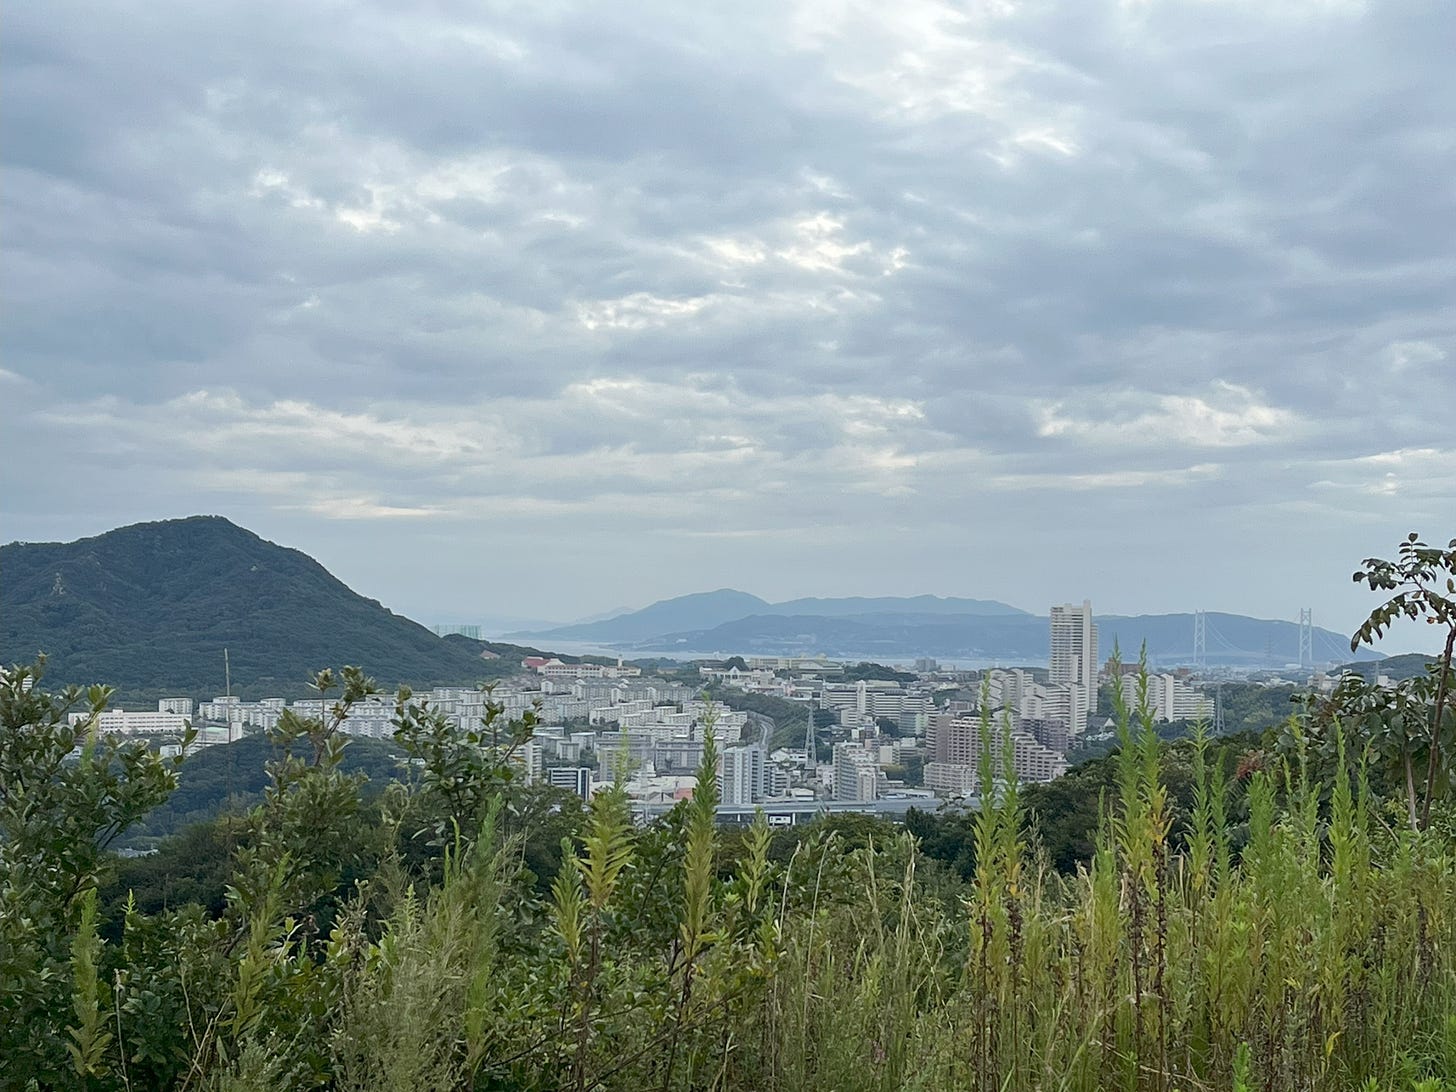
(67, 791)
(456, 774)
(1413, 723)
(866, 670)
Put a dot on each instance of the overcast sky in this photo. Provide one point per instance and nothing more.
(542, 309)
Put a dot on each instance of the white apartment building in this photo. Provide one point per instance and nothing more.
(1074, 660)
(372, 717)
(1034, 703)
(721, 714)
(856, 776)
(613, 714)
(1172, 698)
(741, 774)
(777, 780)
(1005, 688)
(865, 701)
(956, 741)
(131, 723)
(555, 669)
(220, 708)
(1073, 645)
(530, 760)
(664, 693)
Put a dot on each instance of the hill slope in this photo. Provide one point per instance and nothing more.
(149, 609)
(233, 776)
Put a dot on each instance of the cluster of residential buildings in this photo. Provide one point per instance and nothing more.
(609, 723)
(1034, 716)
(168, 724)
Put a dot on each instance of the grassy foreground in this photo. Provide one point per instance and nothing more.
(1308, 947)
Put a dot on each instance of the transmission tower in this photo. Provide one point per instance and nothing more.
(1306, 637)
(810, 749)
(1200, 640)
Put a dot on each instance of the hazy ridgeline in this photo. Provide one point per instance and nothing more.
(1292, 929)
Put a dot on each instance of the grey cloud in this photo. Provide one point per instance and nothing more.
(458, 220)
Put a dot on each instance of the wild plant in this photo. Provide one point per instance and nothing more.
(419, 1007)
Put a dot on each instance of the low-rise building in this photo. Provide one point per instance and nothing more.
(124, 722)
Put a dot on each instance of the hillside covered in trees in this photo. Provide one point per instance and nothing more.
(150, 608)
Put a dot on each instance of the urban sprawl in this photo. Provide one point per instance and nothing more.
(605, 723)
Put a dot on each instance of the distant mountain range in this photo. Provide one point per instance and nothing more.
(706, 610)
(727, 622)
(149, 609)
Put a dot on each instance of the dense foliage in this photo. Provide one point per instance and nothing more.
(866, 670)
(1270, 919)
(232, 778)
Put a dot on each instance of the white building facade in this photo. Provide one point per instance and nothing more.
(1073, 661)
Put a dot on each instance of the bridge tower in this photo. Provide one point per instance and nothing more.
(1306, 637)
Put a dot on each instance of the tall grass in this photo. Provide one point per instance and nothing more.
(1312, 946)
(1311, 950)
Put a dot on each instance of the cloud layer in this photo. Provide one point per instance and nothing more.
(546, 308)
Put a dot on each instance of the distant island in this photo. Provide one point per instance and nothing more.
(977, 631)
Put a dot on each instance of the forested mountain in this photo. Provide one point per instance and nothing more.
(149, 609)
